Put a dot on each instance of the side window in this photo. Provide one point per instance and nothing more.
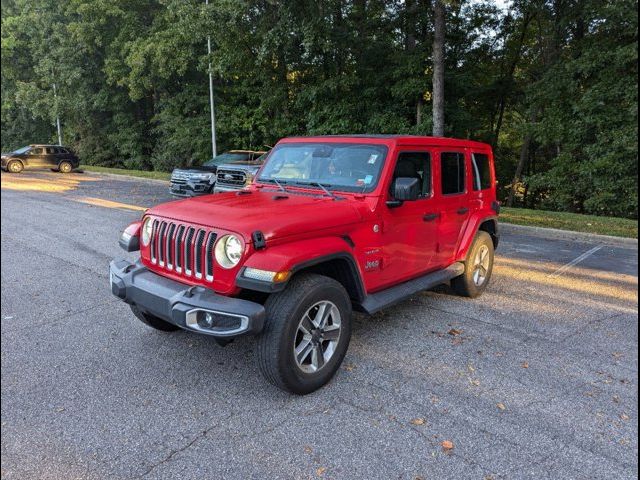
(36, 151)
(62, 150)
(415, 165)
(51, 151)
(452, 172)
(481, 171)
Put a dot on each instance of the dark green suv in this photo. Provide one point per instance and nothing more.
(55, 157)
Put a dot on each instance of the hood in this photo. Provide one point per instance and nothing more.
(200, 169)
(268, 212)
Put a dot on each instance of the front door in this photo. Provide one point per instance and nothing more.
(36, 157)
(410, 230)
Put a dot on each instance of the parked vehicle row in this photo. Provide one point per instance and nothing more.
(329, 225)
(56, 157)
(232, 170)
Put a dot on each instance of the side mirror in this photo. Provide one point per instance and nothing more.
(404, 189)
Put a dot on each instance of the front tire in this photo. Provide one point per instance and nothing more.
(477, 269)
(15, 166)
(153, 321)
(306, 334)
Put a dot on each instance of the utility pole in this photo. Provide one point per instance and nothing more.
(211, 104)
(55, 98)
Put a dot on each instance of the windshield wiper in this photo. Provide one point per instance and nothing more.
(279, 185)
(320, 185)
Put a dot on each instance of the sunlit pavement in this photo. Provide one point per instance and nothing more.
(536, 379)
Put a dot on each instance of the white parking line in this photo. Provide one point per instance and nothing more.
(575, 261)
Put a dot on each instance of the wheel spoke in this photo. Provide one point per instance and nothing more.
(303, 350)
(332, 333)
(317, 357)
(306, 325)
(320, 314)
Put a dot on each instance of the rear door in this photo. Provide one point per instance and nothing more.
(51, 157)
(453, 201)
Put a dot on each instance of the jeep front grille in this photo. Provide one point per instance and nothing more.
(231, 178)
(182, 248)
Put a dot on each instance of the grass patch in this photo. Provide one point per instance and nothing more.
(617, 227)
(123, 171)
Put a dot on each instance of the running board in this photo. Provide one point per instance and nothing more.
(377, 301)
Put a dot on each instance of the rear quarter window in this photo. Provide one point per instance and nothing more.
(481, 171)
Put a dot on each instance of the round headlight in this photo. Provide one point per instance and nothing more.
(229, 251)
(147, 228)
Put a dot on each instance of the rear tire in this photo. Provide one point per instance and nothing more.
(15, 166)
(306, 334)
(65, 167)
(477, 267)
(153, 321)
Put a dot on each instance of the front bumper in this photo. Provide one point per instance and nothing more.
(181, 304)
(190, 189)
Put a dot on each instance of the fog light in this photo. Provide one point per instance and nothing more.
(205, 320)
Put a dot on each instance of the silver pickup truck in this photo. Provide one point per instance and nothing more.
(234, 177)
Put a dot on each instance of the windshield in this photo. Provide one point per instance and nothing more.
(337, 166)
(22, 150)
(228, 158)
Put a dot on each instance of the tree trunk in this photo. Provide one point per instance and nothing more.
(438, 68)
(522, 161)
(508, 80)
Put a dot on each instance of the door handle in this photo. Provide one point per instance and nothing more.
(430, 217)
(463, 210)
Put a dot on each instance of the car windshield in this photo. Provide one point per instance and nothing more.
(22, 150)
(228, 158)
(337, 166)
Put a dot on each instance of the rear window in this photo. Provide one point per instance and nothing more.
(481, 171)
(452, 172)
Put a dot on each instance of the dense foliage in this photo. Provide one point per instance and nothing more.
(552, 84)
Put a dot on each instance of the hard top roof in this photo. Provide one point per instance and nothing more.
(393, 138)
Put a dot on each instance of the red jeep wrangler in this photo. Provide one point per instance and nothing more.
(331, 224)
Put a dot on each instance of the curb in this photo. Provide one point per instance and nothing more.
(554, 233)
(122, 176)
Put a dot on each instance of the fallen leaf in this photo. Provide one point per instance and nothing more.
(457, 341)
(455, 332)
(447, 445)
(417, 421)
(475, 383)
(501, 406)
(617, 354)
(60, 409)
(525, 365)
(624, 416)
(307, 449)
(320, 471)
(349, 367)
(616, 398)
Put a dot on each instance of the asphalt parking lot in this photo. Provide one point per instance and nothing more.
(536, 379)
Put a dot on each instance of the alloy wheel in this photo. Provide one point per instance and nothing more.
(317, 336)
(481, 265)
